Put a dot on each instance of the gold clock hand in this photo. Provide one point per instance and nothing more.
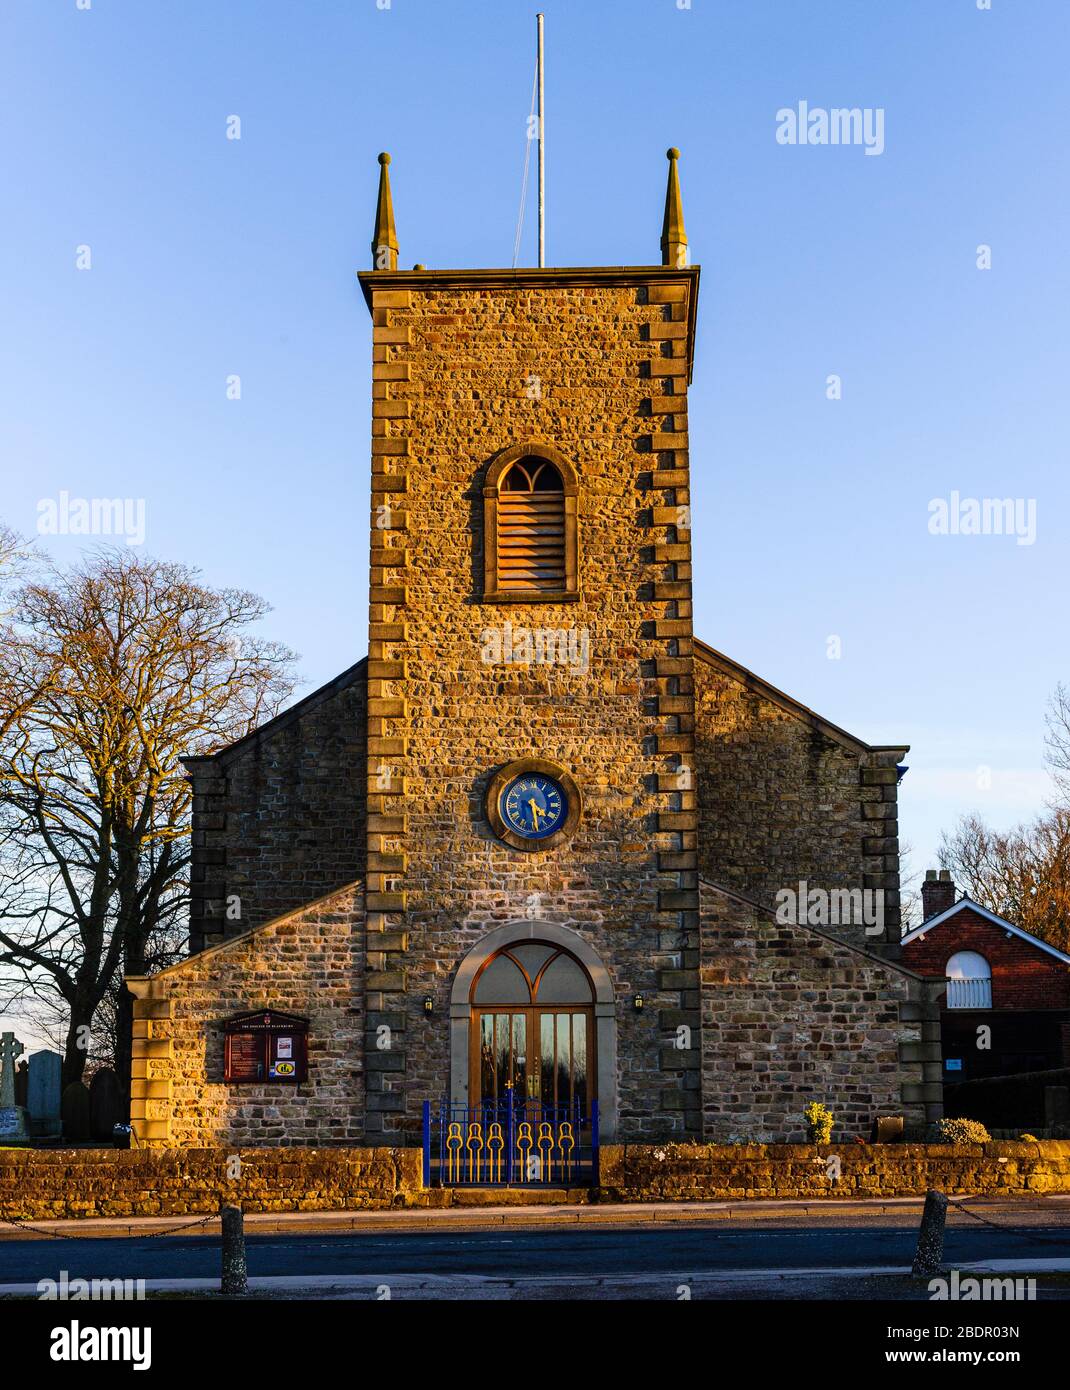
(534, 812)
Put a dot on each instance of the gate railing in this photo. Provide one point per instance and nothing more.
(510, 1143)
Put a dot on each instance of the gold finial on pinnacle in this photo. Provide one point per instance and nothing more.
(673, 236)
(385, 238)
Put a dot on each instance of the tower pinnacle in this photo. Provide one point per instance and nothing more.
(673, 236)
(385, 237)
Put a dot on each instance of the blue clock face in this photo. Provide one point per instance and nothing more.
(534, 805)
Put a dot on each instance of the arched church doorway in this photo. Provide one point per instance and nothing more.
(532, 1010)
(532, 1031)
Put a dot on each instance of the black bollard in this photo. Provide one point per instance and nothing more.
(235, 1271)
(929, 1256)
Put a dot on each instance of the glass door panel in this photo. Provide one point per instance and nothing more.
(520, 1058)
(543, 1055)
(486, 1058)
(502, 1060)
(563, 1069)
(546, 1058)
(502, 1069)
(579, 1061)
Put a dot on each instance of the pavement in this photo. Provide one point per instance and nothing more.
(723, 1250)
(839, 1285)
(895, 1211)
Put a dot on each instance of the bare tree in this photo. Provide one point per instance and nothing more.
(108, 673)
(909, 888)
(1057, 740)
(15, 560)
(1023, 874)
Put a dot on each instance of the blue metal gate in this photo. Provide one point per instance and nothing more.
(510, 1143)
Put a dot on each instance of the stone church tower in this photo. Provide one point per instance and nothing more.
(542, 844)
(479, 379)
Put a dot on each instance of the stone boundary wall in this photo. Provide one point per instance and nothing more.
(39, 1185)
(703, 1172)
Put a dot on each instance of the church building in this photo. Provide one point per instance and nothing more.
(543, 853)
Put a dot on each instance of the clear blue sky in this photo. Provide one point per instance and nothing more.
(213, 256)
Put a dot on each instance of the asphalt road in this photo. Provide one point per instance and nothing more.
(522, 1254)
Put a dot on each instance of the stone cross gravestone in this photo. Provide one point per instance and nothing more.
(12, 1117)
(10, 1050)
(44, 1092)
(105, 1104)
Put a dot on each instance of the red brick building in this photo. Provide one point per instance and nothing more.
(1006, 1007)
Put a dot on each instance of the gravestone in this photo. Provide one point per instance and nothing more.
(44, 1092)
(1056, 1107)
(22, 1082)
(13, 1118)
(105, 1104)
(74, 1111)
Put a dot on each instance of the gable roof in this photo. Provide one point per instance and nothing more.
(941, 917)
(703, 652)
(749, 681)
(290, 715)
(763, 909)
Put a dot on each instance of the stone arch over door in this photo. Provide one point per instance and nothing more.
(605, 1009)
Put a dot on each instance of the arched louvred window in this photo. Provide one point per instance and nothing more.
(530, 529)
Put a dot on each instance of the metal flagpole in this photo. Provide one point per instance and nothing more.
(542, 156)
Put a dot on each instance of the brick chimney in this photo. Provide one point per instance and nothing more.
(937, 893)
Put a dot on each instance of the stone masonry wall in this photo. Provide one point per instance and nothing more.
(790, 1015)
(310, 963)
(596, 366)
(279, 817)
(384, 772)
(43, 1185)
(785, 797)
(704, 1172)
(52, 1184)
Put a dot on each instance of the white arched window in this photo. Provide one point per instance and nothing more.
(969, 981)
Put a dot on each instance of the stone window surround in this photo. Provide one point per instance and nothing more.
(570, 486)
(605, 1010)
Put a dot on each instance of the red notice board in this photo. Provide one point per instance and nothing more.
(266, 1047)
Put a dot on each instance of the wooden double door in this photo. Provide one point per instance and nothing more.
(543, 1055)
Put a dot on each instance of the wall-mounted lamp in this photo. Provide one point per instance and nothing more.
(429, 1004)
(638, 1003)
